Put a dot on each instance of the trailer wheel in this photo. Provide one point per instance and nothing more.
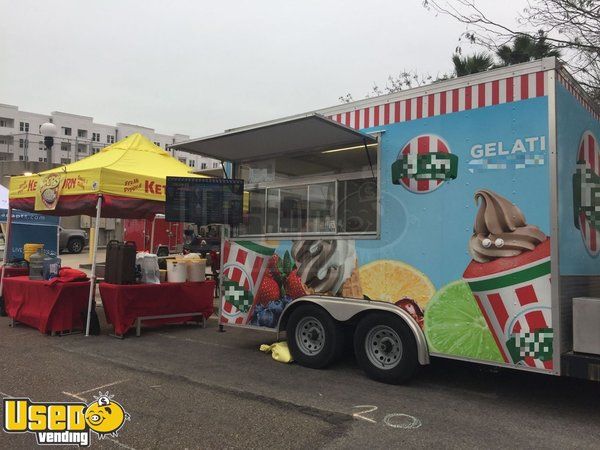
(385, 348)
(314, 338)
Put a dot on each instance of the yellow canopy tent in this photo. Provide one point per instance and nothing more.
(130, 175)
(126, 179)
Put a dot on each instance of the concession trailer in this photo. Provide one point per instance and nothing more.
(459, 219)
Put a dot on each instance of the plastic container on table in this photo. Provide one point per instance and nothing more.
(176, 270)
(51, 267)
(36, 265)
(148, 263)
(196, 267)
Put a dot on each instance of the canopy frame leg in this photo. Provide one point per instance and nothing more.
(225, 234)
(7, 248)
(93, 274)
(152, 235)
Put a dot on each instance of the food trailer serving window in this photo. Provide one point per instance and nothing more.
(340, 199)
(303, 175)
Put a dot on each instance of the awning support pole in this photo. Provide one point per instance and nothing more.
(224, 171)
(369, 159)
(93, 275)
(7, 248)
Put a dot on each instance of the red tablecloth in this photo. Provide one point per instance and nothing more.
(124, 303)
(49, 308)
(11, 271)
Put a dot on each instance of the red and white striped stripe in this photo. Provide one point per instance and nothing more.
(421, 145)
(476, 96)
(589, 153)
(571, 85)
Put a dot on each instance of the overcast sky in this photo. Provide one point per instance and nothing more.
(199, 67)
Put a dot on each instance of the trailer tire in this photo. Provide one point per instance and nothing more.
(314, 338)
(385, 348)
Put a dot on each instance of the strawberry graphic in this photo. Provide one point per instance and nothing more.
(268, 290)
(293, 285)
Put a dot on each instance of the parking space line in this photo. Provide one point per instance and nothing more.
(3, 394)
(78, 395)
(103, 386)
(75, 396)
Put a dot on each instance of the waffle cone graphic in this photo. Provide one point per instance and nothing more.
(352, 287)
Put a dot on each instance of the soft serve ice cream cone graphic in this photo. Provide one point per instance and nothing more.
(510, 279)
(326, 266)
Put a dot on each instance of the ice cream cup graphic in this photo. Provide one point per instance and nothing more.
(510, 280)
(514, 297)
(244, 265)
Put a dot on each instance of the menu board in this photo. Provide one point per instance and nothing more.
(204, 201)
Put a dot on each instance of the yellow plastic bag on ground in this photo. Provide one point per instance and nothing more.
(279, 351)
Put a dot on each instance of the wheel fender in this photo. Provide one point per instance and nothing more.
(343, 309)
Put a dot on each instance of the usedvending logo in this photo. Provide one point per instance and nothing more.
(69, 423)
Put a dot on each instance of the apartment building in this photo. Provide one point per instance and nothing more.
(78, 136)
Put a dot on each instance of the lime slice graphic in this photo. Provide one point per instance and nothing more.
(455, 326)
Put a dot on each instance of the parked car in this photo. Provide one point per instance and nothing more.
(72, 240)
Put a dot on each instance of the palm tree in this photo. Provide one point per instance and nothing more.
(526, 48)
(467, 65)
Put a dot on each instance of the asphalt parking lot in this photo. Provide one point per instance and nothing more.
(188, 387)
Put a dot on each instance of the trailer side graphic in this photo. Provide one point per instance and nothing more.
(464, 231)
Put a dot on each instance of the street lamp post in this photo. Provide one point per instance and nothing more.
(48, 130)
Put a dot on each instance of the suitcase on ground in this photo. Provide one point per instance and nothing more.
(120, 262)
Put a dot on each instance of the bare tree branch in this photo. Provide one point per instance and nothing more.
(570, 25)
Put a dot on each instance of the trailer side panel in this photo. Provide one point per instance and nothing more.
(578, 160)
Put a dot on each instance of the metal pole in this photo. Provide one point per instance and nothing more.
(26, 147)
(152, 234)
(6, 250)
(93, 275)
(49, 150)
(58, 239)
(225, 234)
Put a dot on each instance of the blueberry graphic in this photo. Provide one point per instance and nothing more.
(276, 306)
(266, 318)
(258, 309)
